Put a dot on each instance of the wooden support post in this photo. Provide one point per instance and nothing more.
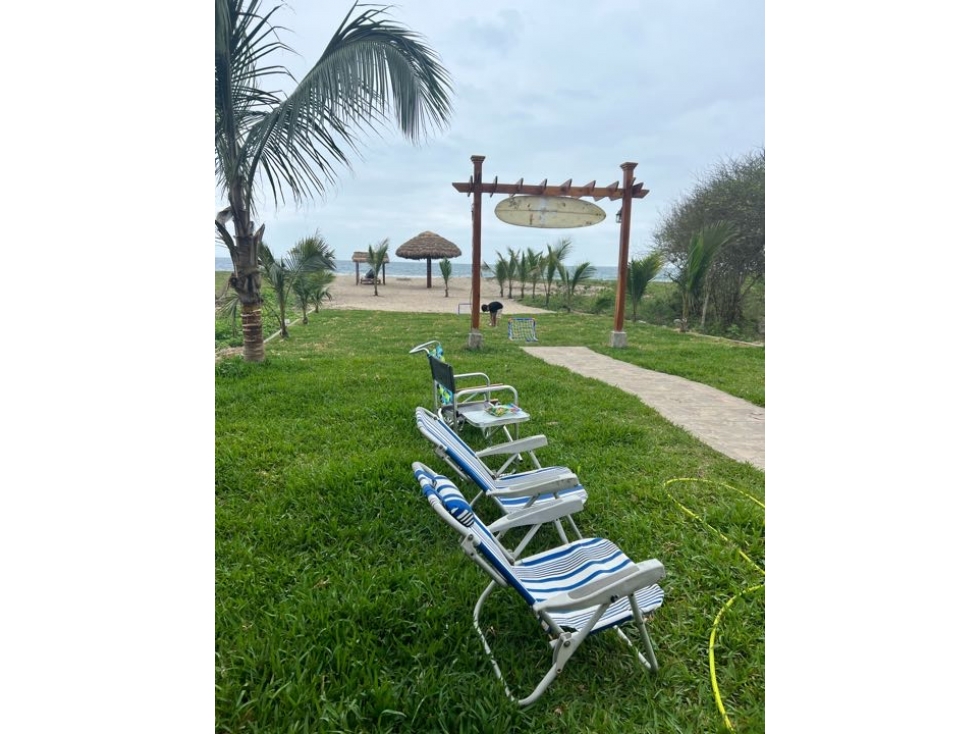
(618, 338)
(475, 338)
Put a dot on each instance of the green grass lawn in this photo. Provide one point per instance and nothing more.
(344, 604)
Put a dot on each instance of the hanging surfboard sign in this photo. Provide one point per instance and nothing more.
(550, 212)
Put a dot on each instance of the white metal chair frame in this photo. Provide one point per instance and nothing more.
(602, 587)
(512, 492)
(461, 404)
(470, 404)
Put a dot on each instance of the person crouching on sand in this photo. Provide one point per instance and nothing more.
(494, 308)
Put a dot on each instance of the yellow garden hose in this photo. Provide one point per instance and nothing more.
(730, 602)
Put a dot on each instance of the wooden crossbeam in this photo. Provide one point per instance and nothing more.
(612, 191)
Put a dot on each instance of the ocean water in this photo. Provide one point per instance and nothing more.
(414, 269)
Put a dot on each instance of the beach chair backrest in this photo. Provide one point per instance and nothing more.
(450, 504)
(442, 373)
(453, 449)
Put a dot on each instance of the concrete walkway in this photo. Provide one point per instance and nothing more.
(727, 424)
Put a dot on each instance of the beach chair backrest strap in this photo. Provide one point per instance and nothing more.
(457, 451)
(442, 493)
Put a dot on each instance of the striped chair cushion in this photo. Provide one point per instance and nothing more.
(459, 452)
(447, 492)
(453, 500)
(569, 567)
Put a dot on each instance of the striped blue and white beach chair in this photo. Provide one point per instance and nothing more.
(510, 492)
(574, 590)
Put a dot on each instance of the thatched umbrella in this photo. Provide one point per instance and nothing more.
(426, 246)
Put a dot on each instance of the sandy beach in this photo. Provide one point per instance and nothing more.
(411, 295)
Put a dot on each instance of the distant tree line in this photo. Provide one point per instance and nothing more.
(730, 197)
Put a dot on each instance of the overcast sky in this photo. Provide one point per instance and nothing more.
(552, 89)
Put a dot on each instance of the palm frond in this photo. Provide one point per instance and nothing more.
(372, 70)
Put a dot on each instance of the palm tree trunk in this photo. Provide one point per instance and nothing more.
(247, 279)
(247, 285)
(282, 320)
(251, 330)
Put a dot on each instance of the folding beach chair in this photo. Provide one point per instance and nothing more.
(511, 492)
(468, 398)
(573, 590)
(433, 348)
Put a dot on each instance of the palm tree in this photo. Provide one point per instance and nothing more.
(639, 273)
(704, 245)
(376, 257)
(446, 267)
(523, 273)
(372, 70)
(305, 291)
(501, 270)
(552, 259)
(533, 260)
(274, 273)
(571, 279)
(513, 265)
(308, 256)
(311, 281)
(311, 288)
(322, 290)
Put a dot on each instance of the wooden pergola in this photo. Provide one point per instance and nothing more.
(361, 257)
(629, 190)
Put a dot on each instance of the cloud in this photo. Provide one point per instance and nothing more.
(550, 89)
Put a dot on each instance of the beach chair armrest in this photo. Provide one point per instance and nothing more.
(535, 515)
(482, 375)
(468, 393)
(606, 590)
(531, 443)
(531, 488)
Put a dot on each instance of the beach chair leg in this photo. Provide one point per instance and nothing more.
(649, 659)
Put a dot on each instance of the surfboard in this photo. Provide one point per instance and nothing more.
(551, 212)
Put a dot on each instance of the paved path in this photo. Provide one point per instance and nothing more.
(727, 424)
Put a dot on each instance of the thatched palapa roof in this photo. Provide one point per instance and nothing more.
(361, 257)
(427, 246)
